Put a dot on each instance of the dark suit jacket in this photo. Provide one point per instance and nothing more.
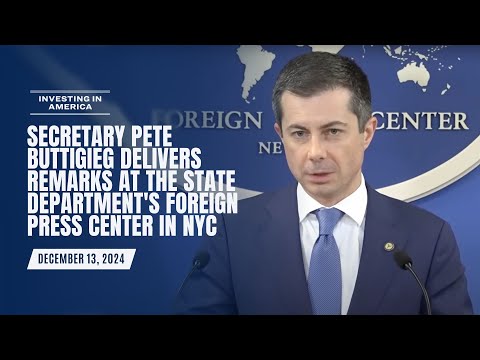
(256, 264)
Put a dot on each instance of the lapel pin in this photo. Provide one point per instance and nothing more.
(389, 246)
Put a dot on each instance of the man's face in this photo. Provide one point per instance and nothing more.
(323, 145)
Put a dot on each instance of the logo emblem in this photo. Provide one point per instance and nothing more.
(389, 246)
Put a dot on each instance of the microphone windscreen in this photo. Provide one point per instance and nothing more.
(402, 259)
(201, 259)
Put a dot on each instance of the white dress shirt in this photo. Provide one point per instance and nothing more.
(348, 234)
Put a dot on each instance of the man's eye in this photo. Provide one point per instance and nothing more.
(334, 131)
(299, 134)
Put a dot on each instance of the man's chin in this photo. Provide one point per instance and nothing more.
(318, 191)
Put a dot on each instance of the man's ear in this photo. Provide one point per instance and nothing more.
(369, 131)
(278, 130)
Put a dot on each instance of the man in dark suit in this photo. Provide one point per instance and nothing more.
(326, 245)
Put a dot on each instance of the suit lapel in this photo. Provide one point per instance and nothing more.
(375, 271)
(282, 236)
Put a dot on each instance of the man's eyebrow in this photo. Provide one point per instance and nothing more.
(297, 126)
(334, 123)
(324, 126)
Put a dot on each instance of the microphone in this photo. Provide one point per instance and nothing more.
(405, 262)
(200, 260)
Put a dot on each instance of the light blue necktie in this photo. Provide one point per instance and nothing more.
(325, 274)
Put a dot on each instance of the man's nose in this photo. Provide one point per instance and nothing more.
(317, 149)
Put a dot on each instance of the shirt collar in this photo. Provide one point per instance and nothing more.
(354, 205)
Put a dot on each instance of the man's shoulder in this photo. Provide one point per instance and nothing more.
(264, 198)
(406, 210)
(263, 206)
(257, 212)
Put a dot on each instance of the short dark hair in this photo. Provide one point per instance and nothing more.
(315, 72)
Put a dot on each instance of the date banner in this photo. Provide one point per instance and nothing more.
(81, 259)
